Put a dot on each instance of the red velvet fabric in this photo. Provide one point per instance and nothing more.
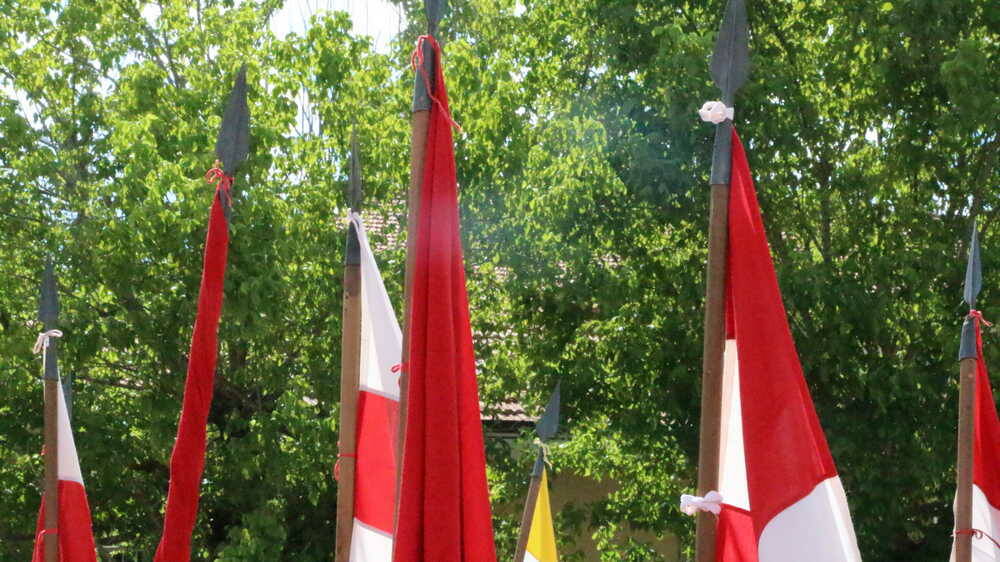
(444, 510)
(786, 451)
(986, 431)
(76, 539)
(188, 458)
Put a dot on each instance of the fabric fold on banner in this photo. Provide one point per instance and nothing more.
(783, 499)
(187, 461)
(444, 509)
(985, 462)
(542, 535)
(76, 537)
(378, 414)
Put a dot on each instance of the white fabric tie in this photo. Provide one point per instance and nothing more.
(712, 502)
(42, 343)
(715, 112)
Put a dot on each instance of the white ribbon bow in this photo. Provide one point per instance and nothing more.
(712, 502)
(715, 112)
(42, 343)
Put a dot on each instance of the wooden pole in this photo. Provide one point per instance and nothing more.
(963, 496)
(711, 378)
(350, 374)
(529, 509)
(51, 537)
(418, 145)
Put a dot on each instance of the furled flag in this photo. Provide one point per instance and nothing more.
(188, 458)
(542, 537)
(985, 428)
(378, 414)
(444, 509)
(782, 500)
(75, 535)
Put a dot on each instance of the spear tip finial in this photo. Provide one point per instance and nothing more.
(730, 64)
(48, 304)
(233, 143)
(548, 424)
(355, 188)
(973, 270)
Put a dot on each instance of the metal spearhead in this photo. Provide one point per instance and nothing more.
(233, 144)
(433, 10)
(548, 424)
(973, 284)
(730, 68)
(355, 190)
(425, 75)
(352, 254)
(48, 313)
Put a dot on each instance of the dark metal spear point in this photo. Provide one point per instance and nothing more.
(730, 68)
(548, 424)
(352, 254)
(425, 75)
(355, 190)
(973, 284)
(233, 144)
(48, 313)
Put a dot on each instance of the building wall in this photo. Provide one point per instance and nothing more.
(567, 488)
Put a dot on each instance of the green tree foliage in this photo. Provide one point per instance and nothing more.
(871, 129)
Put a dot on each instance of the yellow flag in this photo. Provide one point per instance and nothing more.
(542, 537)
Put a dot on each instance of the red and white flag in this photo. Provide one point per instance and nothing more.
(76, 537)
(378, 414)
(782, 500)
(985, 460)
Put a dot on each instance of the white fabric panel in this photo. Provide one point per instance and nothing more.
(69, 464)
(816, 528)
(529, 558)
(369, 544)
(733, 465)
(986, 518)
(381, 338)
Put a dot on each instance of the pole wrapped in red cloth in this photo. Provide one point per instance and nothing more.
(444, 510)
(188, 458)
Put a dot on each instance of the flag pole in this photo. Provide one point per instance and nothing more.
(968, 356)
(545, 428)
(529, 507)
(350, 368)
(729, 68)
(48, 313)
(419, 123)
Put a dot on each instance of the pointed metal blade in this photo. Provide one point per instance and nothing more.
(233, 144)
(433, 9)
(48, 313)
(548, 424)
(730, 65)
(355, 190)
(48, 302)
(973, 270)
(730, 68)
(973, 284)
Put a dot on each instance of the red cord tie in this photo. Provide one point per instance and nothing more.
(977, 534)
(336, 465)
(219, 178)
(40, 544)
(398, 367)
(417, 62)
(979, 316)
